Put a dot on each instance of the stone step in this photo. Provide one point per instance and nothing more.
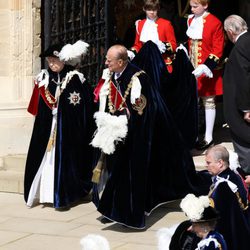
(12, 169)
(12, 173)
(199, 162)
(14, 162)
(11, 181)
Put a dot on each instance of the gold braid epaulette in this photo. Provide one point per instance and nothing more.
(242, 205)
(220, 247)
(214, 58)
(137, 74)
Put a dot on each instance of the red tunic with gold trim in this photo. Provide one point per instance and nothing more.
(208, 51)
(166, 35)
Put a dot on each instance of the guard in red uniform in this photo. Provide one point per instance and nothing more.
(205, 44)
(155, 29)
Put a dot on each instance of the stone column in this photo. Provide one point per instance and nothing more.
(20, 27)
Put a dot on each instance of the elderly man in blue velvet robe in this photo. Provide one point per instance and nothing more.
(145, 160)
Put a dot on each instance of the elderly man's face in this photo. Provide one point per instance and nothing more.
(198, 229)
(114, 64)
(214, 167)
(55, 64)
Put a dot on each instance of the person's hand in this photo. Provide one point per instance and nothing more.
(131, 55)
(182, 47)
(247, 180)
(202, 69)
(42, 78)
(247, 116)
(161, 46)
(106, 74)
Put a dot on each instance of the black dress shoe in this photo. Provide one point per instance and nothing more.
(202, 145)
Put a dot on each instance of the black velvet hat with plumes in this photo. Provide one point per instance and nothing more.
(198, 209)
(209, 214)
(53, 50)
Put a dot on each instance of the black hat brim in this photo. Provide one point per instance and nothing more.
(52, 50)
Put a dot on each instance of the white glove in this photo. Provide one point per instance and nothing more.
(181, 46)
(202, 69)
(54, 111)
(43, 78)
(161, 46)
(131, 55)
(106, 74)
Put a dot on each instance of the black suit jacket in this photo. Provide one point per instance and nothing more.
(236, 84)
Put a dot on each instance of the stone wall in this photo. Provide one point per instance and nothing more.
(20, 27)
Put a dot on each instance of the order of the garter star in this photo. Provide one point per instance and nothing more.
(74, 98)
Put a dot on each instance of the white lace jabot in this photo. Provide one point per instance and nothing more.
(195, 29)
(149, 32)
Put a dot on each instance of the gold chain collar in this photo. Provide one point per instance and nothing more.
(111, 105)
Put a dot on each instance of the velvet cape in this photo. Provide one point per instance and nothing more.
(73, 155)
(219, 238)
(234, 221)
(178, 89)
(185, 239)
(151, 166)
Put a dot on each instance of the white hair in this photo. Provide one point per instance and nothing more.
(235, 23)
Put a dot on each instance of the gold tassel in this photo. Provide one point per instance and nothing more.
(50, 144)
(98, 169)
(96, 175)
(51, 141)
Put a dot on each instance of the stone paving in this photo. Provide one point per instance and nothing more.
(44, 228)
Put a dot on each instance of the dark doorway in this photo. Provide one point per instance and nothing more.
(67, 21)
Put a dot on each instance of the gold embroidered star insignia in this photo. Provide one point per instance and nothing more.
(74, 98)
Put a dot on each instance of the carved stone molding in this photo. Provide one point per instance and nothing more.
(20, 49)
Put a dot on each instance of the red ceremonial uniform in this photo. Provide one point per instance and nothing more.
(166, 35)
(208, 50)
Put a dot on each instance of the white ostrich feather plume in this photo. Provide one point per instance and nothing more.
(73, 53)
(94, 242)
(110, 130)
(194, 206)
(233, 161)
(164, 236)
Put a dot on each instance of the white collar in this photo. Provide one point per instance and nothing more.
(195, 29)
(240, 35)
(149, 32)
(118, 74)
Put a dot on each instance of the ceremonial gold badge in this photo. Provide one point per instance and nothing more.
(140, 104)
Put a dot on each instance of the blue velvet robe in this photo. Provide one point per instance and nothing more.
(178, 89)
(212, 246)
(234, 211)
(188, 240)
(73, 155)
